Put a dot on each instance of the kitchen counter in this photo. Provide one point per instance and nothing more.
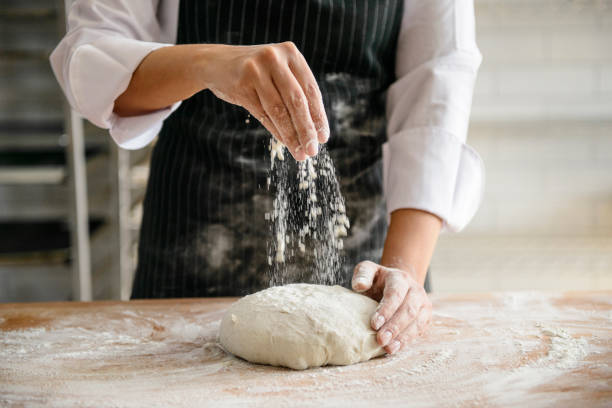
(503, 349)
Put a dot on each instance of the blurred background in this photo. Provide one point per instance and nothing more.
(542, 121)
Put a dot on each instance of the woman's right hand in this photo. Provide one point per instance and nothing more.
(275, 84)
(272, 81)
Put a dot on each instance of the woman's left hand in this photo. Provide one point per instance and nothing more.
(404, 311)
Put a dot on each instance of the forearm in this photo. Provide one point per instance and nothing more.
(273, 82)
(411, 240)
(165, 76)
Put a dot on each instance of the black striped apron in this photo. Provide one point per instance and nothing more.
(203, 230)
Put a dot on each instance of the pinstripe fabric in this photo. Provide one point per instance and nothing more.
(203, 230)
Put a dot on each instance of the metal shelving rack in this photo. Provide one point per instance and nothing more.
(35, 119)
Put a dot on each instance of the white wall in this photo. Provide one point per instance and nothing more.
(544, 59)
(542, 116)
(542, 121)
(545, 178)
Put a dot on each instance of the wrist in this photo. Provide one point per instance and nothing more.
(406, 267)
(411, 239)
(208, 62)
(200, 64)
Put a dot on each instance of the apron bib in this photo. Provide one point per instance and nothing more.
(203, 231)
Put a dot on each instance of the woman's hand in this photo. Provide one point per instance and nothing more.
(404, 311)
(274, 83)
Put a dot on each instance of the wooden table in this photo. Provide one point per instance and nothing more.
(509, 349)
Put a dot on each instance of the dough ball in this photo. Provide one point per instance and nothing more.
(301, 326)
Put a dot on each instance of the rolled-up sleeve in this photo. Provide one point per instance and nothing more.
(94, 63)
(427, 164)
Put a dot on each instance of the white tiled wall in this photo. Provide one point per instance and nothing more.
(548, 177)
(542, 121)
(544, 59)
(542, 116)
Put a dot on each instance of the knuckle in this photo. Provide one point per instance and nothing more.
(404, 339)
(305, 129)
(297, 100)
(411, 313)
(393, 328)
(317, 118)
(313, 92)
(278, 110)
(387, 312)
(289, 46)
(269, 54)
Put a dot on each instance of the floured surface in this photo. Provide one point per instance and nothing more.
(514, 349)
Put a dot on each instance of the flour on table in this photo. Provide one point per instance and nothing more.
(500, 351)
(565, 350)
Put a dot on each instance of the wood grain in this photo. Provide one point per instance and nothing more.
(493, 349)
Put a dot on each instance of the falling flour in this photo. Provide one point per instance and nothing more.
(308, 219)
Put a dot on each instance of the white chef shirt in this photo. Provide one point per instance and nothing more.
(427, 164)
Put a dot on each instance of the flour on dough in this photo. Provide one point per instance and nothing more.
(301, 326)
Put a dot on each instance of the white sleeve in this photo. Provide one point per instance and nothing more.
(94, 62)
(427, 164)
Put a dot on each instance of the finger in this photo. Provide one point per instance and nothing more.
(363, 276)
(394, 293)
(294, 148)
(423, 320)
(293, 96)
(303, 74)
(404, 338)
(405, 315)
(252, 103)
(275, 109)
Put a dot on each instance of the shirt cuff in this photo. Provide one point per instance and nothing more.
(431, 170)
(99, 72)
(135, 132)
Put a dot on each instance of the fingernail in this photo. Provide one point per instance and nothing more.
(312, 147)
(298, 152)
(385, 338)
(393, 347)
(379, 320)
(362, 282)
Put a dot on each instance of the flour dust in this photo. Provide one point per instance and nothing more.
(308, 219)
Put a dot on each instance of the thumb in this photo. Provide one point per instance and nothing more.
(363, 276)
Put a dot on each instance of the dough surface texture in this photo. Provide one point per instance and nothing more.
(301, 326)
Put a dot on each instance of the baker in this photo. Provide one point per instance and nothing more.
(385, 84)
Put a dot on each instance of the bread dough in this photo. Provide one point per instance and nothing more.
(301, 326)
